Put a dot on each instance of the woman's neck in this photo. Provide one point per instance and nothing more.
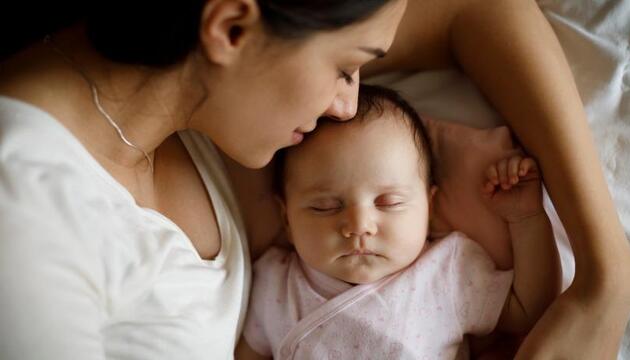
(147, 104)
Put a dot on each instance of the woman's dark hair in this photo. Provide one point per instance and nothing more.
(373, 99)
(162, 33)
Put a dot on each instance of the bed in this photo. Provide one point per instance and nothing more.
(595, 35)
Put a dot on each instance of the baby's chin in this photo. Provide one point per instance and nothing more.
(361, 279)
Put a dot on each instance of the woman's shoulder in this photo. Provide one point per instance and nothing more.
(423, 39)
(44, 170)
(42, 220)
(28, 134)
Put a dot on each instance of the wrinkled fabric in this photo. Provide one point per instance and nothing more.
(86, 273)
(421, 312)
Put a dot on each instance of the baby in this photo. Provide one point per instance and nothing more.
(363, 282)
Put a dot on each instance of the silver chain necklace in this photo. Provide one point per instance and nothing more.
(48, 40)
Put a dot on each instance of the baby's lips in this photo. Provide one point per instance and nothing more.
(359, 252)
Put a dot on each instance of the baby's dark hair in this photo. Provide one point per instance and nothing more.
(373, 99)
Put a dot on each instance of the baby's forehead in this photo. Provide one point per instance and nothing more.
(388, 118)
(345, 145)
(348, 138)
(388, 123)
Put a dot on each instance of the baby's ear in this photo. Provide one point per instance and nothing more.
(438, 225)
(283, 214)
(432, 191)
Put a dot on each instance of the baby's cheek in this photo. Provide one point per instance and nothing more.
(315, 249)
(412, 252)
(405, 244)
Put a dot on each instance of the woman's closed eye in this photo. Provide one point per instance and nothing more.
(347, 76)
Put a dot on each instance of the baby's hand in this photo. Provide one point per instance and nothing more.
(513, 188)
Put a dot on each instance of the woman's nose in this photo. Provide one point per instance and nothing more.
(359, 221)
(344, 105)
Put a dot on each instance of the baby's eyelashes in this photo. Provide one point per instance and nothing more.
(324, 210)
(326, 206)
(331, 206)
(388, 201)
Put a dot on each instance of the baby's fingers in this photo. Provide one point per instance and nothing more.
(488, 188)
(527, 165)
(502, 168)
(492, 175)
(513, 169)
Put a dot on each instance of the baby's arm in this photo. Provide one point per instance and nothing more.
(245, 352)
(514, 192)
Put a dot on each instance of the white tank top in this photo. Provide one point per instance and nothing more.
(85, 273)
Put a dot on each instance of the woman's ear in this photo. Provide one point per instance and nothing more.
(226, 25)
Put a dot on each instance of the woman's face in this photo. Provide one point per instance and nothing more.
(276, 91)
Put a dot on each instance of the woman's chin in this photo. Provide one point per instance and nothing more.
(254, 162)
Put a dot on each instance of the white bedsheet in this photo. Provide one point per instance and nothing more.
(595, 35)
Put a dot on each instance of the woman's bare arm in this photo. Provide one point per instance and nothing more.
(510, 51)
(536, 273)
(508, 48)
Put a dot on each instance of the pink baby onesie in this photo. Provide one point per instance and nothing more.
(421, 312)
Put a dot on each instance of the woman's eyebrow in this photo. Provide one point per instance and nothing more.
(376, 52)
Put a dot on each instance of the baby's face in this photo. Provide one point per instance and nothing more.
(357, 206)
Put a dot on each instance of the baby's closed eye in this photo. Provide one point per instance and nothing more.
(325, 205)
(389, 201)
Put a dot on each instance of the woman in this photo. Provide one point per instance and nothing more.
(143, 255)
(121, 237)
